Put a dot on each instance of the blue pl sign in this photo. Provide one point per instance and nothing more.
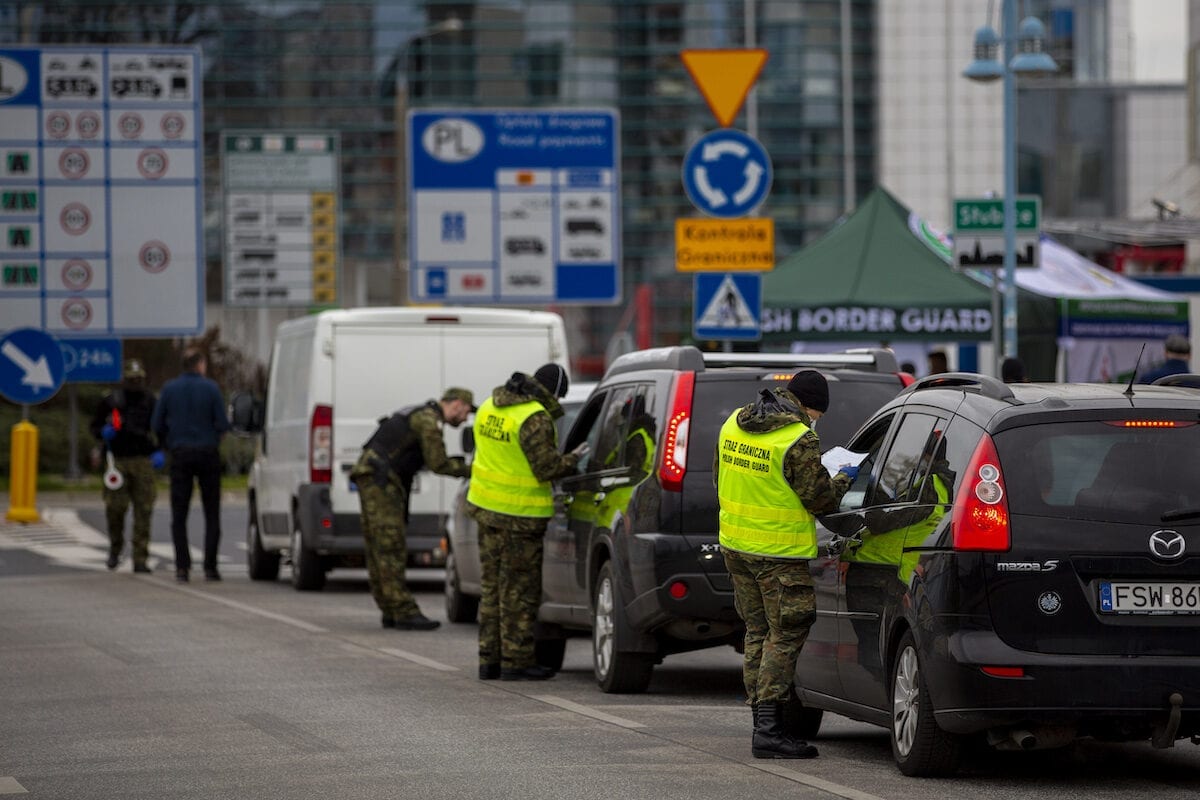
(727, 173)
(514, 206)
(92, 360)
(31, 366)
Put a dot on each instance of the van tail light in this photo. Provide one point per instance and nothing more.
(675, 441)
(320, 445)
(980, 518)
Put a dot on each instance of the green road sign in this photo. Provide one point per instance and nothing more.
(986, 215)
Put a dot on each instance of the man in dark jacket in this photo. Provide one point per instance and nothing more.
(1178, 350)
(406, 442)
(516, 457)
(189, 420)
(770, 484)
(122, 423)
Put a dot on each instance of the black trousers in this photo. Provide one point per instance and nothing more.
(203, 466)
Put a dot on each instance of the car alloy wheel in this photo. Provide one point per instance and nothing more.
(906, 701)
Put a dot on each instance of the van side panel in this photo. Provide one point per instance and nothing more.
(285, 436)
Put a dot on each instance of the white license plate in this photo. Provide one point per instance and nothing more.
(1145, 597)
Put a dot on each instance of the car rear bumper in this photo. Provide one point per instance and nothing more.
(1096, 694)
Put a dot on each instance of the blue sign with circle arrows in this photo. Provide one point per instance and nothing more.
(727, 173)
(31, 366)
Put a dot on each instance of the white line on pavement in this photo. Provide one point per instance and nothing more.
(416, 659)
(811, 780)
(249, 609)
(9, 785)
(586, 711)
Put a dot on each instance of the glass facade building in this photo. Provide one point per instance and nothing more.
(357, 67)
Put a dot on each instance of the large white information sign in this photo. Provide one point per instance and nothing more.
(281, 217)
(101, 211)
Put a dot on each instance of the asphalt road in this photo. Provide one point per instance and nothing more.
(121, 686)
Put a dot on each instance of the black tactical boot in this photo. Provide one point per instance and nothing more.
(534, 673)
(489, 672)
(771, 740)
(113, 560)
(417, 622)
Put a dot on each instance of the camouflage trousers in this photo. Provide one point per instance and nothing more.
(510, 584)
(383, 512)
(775, 598)
(139, 489)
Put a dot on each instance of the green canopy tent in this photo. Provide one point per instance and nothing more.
(870, 279)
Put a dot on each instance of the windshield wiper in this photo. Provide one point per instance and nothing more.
(1179, 514)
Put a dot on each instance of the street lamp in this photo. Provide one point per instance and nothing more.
(1023, 55)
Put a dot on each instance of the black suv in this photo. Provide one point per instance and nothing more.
(1016, 564)
(631, 553)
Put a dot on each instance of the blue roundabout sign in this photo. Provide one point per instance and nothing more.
(727, 173)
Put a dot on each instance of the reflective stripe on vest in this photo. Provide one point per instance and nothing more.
(501, 478)
(760, 512)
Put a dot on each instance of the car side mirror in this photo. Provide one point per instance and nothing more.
(246, 414)
(468, 440)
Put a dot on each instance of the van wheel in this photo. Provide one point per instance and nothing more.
(262, 566)
(617, 672)
(308, 573)
(459, 607)
(920, 747)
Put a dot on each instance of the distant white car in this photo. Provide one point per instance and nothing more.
(462, 535)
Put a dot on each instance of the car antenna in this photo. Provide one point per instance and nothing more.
(1133, 375)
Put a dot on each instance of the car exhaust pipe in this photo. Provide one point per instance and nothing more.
(703, 627)
(1023, 739)
(1164, 733)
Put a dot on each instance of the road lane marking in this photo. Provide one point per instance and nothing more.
(249, 609)
(586, 711)
(416, 659)
(9, 785)
(813, 781)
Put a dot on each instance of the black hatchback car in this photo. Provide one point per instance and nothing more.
(631, 554)
(1018, 564)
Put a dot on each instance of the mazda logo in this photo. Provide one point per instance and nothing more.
(1167, 544)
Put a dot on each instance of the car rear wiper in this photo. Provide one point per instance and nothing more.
(1179, 514)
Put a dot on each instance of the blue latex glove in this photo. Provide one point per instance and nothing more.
(157, 459)
(108, 433)
(852, 471)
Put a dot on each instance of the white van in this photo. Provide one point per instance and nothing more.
(333, 375)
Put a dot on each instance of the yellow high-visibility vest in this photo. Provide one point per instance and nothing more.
(760, 512)
(501, 478)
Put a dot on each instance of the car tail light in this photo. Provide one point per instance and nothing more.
(320, 445)
(678, 590)
(906, 378)
(675, 441)
(980, 518)
(1003, 672)
(1149, 423)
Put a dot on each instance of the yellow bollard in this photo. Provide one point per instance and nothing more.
(22, 482)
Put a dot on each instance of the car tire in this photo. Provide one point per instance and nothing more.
(800, 720)
(261, 565)
(459, 607)
(616, 672)
(550, 653)
(308, 573)
(921, 748)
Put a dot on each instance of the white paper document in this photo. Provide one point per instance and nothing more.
(837, 457)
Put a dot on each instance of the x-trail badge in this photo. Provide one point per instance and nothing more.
(1167, 544)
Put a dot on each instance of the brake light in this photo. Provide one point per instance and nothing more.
(906, 378)
(320, 445)
(675, 440)
(1148, 423)
(980, 518)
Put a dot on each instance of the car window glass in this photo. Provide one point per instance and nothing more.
(642, 437)
(585, 428)
(852, 402)
(1093, 470)
(869, 441)
(609, 448)
(902, 467)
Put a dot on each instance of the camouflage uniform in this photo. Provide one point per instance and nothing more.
(774, 596)
(384, 475)
(131, 446)
(510, 547)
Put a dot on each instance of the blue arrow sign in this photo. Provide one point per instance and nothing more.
(31, 366)
(727, 173)
(728, 305)
(91, 360)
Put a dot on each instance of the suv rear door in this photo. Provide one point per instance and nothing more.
(1087, 493)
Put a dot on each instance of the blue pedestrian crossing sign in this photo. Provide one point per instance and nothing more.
(31, 366)
(728, 305)
(727, 173)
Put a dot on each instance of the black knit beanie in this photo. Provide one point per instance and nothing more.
(810, 389)
(554, 378)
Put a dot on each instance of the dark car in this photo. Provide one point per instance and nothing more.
(631, 554)
(1014, 564)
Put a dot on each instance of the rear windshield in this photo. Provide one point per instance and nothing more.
(1096, 470)
(851, 402)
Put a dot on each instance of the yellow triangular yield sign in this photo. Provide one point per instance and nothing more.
(724, 77)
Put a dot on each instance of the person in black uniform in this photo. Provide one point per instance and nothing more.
(122, 423)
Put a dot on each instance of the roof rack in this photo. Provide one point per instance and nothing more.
(685, 357)
(985, 385)
(1189, 380)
